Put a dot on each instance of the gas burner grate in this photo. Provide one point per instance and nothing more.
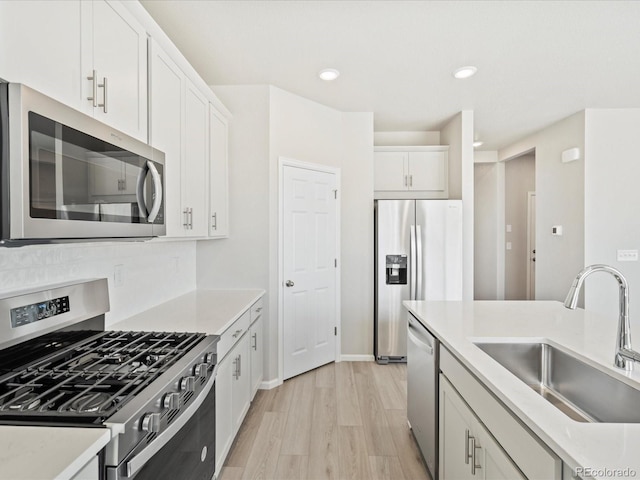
(93, 377)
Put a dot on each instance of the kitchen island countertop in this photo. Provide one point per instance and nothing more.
(608, 449)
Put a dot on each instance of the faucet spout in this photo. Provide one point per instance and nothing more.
(624, 353)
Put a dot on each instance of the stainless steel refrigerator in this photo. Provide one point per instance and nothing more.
(418, 256)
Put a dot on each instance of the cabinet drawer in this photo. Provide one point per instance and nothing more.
(232, 334)
(256, 310)
(533, 458)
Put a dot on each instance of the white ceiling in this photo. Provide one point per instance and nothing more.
(538, 61)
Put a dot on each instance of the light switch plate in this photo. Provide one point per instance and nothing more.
(627, 255)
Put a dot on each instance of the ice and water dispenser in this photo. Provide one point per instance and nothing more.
(396, 269)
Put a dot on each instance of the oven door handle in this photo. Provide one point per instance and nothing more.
(136, 463)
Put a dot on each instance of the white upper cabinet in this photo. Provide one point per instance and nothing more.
(40, 47)
(114, 67)
(53, 47)
(180, 128)
(194, 162)
(167, 84)
(218, 178)
(411, 172)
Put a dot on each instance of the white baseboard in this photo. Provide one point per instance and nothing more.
(268, 385)
(356, 358)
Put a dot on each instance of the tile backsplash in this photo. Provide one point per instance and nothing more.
(140, 274)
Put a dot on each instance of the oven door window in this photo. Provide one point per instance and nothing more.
(190, 454)
(74, 176)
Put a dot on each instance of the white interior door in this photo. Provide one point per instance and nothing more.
(309, 269)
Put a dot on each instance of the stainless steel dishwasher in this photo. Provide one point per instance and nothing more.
(422, 391)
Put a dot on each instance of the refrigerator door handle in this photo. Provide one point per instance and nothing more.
(418, 262)
(412, 265)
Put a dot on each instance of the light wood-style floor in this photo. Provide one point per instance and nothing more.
(341, 421)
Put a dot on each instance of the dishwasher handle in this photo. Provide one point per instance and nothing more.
(413, 333)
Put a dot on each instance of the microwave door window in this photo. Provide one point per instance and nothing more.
(74, 176)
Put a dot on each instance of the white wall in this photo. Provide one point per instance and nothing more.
(406, 138)
(458, 134)
(152, 272)
(559, 201)
(612, 197)
(519, 180)
(486, 228)
(357, 234)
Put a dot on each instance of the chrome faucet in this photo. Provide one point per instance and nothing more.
(624, 353)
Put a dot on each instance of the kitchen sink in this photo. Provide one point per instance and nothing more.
(579, 390)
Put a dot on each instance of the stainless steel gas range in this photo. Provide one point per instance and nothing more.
(154, 390)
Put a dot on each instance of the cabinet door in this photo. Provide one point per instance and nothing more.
(257, 361)
(390, 171)
(91, 471)
(240, 391)
(456, 423)
(40, 47)
(194, 162)
(427, 171)
(167, 116)
(115, 46)
(494, 462)
(218, 179)
(464, 441)
(224, 427)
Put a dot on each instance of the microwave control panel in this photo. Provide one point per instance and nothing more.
(38, 311)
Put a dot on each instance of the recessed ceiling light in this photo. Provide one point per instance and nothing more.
(465, 72)
(328, 74)
(477, 143)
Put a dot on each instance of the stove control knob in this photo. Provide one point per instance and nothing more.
(171, 401)
(210, 358)
(150, 422)
(188, 384)
(201, 370)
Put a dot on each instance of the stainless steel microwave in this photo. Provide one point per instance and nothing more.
(66, 176)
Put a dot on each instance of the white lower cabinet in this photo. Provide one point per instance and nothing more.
(257, 350)
(91, 471)
(467, 449)
(239, 362)
(480, 438)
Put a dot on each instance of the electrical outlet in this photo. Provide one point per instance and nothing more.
(508, 245)
(508, 228)
(118, 275)
(627, 255)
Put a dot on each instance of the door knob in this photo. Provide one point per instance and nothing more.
(289, 283)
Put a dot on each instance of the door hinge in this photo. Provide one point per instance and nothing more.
(335, 262)
(335, 194)
(335, 331)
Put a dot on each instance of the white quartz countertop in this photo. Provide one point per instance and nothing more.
(202, 311)
(48, 453)
(607, 449)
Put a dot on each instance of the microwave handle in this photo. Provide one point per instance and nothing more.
(157, 188)
(142, 176)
